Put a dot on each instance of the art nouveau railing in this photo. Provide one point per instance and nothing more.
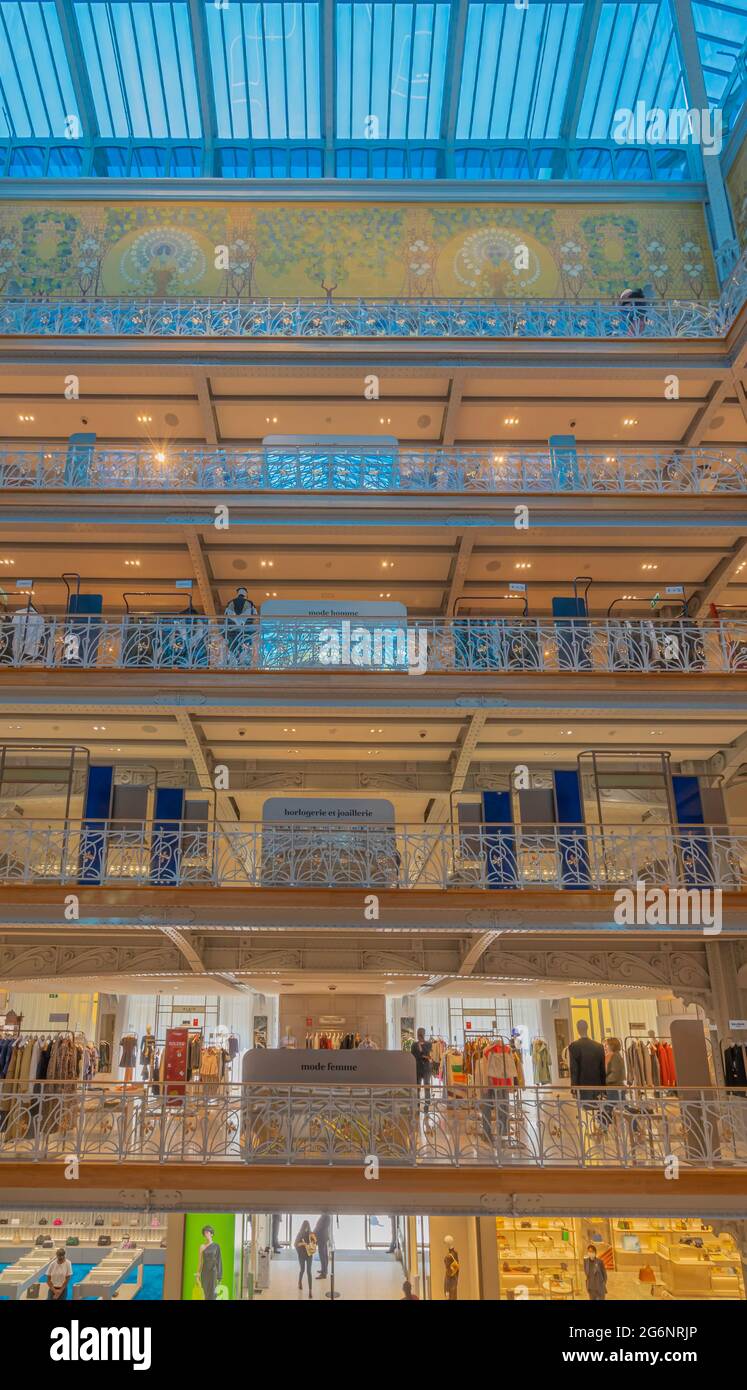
(417, 647)
(318, 855)
(343, 1126)
(369, 318)
(352, 469)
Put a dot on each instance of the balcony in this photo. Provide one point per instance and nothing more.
(668, 471)
(273, 319)
(303, 856)
(414, 647)
(247, 1124)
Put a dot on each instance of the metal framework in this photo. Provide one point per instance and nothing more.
(337, 88)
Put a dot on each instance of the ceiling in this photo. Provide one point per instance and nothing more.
(345, 90)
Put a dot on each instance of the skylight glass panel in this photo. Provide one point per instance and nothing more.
(390, 70)
(141, 68)
(265, 62)
(722, 34)
(516, 71)
(36, 90)
(635, 59)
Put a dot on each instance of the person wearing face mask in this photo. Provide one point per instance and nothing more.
(240, 614)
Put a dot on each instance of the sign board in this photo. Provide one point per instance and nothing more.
(175, 1062)
(331, 609)
(738, 1024)
(354, 1066)
(59, 1018)
(342, 810)
(331, 441)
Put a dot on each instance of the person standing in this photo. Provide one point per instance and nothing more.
(59, 1274)
(596, 1275)
(451, 1270)
(615, 1078)
(407, 1294)
(240, 614)
(210, 1268)
(587, 1064)
(321, 1231)
(421, 1051)
(305, 1245)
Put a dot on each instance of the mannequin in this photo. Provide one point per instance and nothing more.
(147, 1054)
(288, 1040)
(451, 1270)
(128, 1044)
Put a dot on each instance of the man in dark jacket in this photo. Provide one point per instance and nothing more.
(321, 1231)
(596, 1276)
(588, 1069)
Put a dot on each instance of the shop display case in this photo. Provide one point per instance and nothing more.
(23, 1228)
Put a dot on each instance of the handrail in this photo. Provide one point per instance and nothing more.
(376, 317)
(402, 856)
(374, 646)
(353, 468)
(341, 1125)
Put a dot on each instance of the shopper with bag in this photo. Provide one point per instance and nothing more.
(305, 1244)
(59, 1274)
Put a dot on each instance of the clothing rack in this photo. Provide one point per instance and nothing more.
(650, 1037)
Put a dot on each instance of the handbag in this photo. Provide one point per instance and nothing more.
(72, 1240)
(98, 1220)
(198, 1293)
(104, 1240)
(33, 1290)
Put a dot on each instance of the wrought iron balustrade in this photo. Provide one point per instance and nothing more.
(374, 318)
(548, 1127)
(371, 469)
(407, 857)
(383, 646)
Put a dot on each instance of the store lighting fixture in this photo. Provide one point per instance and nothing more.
(386, 421)
(523, 565)
(629, 596)
(135, 563)
(387, 564)
(160, 457)
(272, 421)
(511, 420)
(649, 567)
(383, 595)
(145, 419)
(99, 728)
(630, 420)
(26, 419)
(739, 567)
(266, 564)
(7, 562)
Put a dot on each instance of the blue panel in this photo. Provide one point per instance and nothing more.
(574, 852)
(635, 58)
(391, 64)
(167, 835)
(95, 819)
(36, 89)
(687, 802)
(265, 63)
(517, 67)
(498, 840)
(141, 67)
(722, 33)
(695, 850)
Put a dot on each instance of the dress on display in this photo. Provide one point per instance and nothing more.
(451, 1274)
(128, 1055)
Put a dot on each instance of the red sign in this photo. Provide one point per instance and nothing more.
(468, 1024)
(175, 1061)
(309, 1022)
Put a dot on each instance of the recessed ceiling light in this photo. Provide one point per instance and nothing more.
(12, 562)
(386, 421)
(630, 420)
(649, 567)
(145, 419)
(135, 563)
(160, 457)
(100, 728)
(511, 420)
(26, 419)
(523, 565)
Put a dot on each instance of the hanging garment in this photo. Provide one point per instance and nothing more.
(147, 1055)
(128, 1044)
(541, 1062)
(501, 1065)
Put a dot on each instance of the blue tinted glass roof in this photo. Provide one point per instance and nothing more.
(340, 88)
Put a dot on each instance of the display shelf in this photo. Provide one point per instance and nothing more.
(23, 1228)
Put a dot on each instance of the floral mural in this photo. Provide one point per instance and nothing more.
(388, 249)
(736, 182)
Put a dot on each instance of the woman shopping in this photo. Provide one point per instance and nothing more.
(305, 1244)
